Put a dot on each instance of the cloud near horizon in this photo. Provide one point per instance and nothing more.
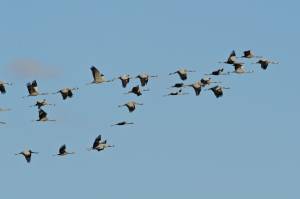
(30, 68)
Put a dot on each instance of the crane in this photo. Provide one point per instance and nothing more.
(144, 78)
(179, 92)
(231, 58)
(40, 103)
(32, 88)
(217, 72)
(136, 90)
(43, 117)
(125, 79)
(122, 123)
(62, 151)
(131, 105)
(2, 87)
(182, 73)
(207, 81)
(27, 154)
(66, 92)
(218, 90)
(177, 85)
(98, 77)
(264, 63)
(249, 54)
(100, 145)
(239, 69)
(197, 86)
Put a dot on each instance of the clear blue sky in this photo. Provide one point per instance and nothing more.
(244, 145)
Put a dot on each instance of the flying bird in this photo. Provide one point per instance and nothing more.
(136, 90)
(177, 85)
(249, 54)
(239, 69)
(217, 72)
(179, 92)
(144, 78)
(125, 79)
(131, 105)
(207, 81)
(2, 87)
(63, 151)
(197, 86)
(98, 77)
(217, 90)
(122, 123)
(182, 73)
(40, 103)
(66, 92)
(100, 145)
(33, 90)
(264, 63)
(43, 117)
(231, 58)
(27, 154)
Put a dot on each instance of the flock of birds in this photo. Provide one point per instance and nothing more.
(98, 78)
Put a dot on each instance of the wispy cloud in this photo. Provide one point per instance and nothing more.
(29, 68)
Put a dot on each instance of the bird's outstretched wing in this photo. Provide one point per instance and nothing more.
(62, 149)
(29, 87)
(97, 141)
(96, 74)
(2, 88)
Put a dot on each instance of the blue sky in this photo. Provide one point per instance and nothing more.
(243, 145)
